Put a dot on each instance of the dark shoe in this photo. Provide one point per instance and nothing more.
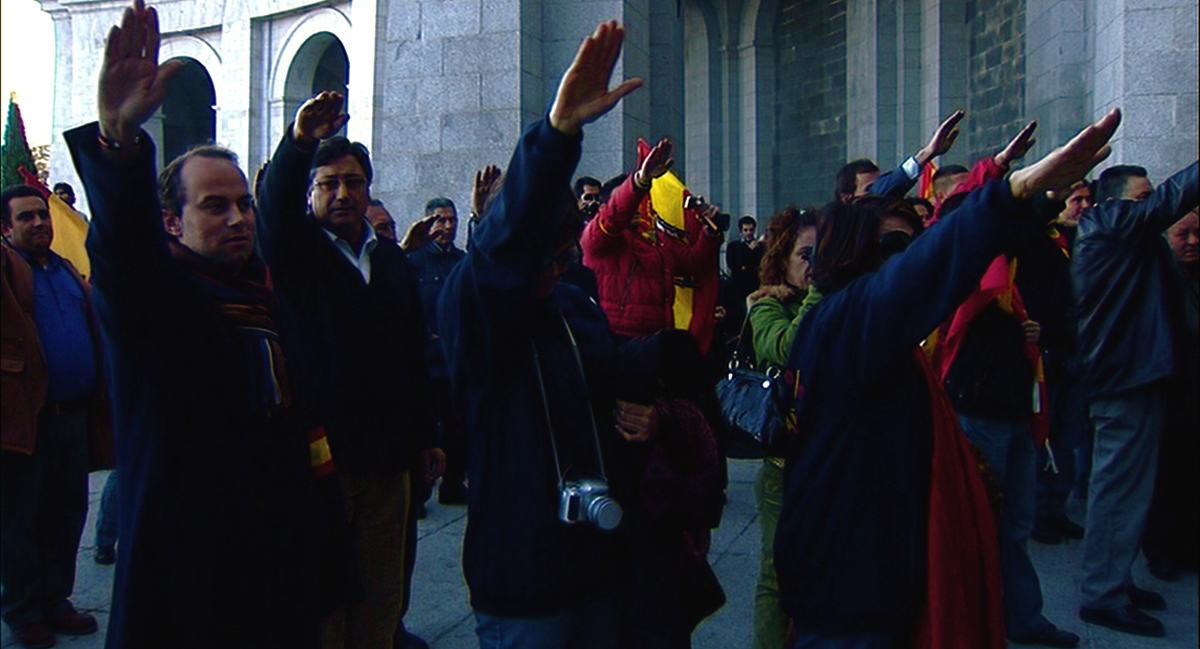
(1127, 619)
(105, 556)
(71, 622)
(1068, 528)
(1147, 600)
(1045, 532)
(35, 636)
(1051, 637)
(405, 640)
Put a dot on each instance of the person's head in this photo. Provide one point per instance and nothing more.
(1078, 201)
(747, 226)
(207, 206)
(66, 192)
(788, 257)
(26, 220)
(946, 180)
(1184, 237)
(922, 207)
(1124, 182)
(856, 238)
(381, 220)
(587, 192)
(445, 222)
(339, 187)
(854, 179)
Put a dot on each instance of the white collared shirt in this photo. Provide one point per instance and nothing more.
(361, 261)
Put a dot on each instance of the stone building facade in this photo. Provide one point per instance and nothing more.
(765, 98)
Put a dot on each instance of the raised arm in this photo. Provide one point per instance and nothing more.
(883, 315)
(897, 182)
(1146, 220)
(603, 235)
(115, 161)
(283, 198)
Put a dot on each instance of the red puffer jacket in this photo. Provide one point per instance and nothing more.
(635, 275)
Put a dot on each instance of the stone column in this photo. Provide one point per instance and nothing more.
(233, 109)
(1057, 70)
(1145, 64)
(944, 46)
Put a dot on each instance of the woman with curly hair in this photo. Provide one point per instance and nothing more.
(773, 310)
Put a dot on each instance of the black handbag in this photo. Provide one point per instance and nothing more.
(753, 400)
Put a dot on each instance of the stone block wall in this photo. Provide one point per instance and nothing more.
(996, 79)
(811, 100)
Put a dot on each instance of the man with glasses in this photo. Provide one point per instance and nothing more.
(349, 293)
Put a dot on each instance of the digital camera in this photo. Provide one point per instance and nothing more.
(587, 501)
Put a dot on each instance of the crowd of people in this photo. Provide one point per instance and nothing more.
(279, 380)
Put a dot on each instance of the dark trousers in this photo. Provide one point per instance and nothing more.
(43, 506)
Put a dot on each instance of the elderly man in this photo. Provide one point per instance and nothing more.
(55, 412)
(349, 293)
(221, 527)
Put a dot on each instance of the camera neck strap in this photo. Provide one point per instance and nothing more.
(537, 366)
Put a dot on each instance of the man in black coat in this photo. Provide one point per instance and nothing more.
(349, 293)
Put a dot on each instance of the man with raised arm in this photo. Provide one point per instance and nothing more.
(861, 177)
(349, 293)
(1129, 295)
(527, 357)
(221, 530)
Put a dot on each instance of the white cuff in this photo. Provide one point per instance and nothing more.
(911, 168)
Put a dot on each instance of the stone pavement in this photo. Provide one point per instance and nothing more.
(440, 613)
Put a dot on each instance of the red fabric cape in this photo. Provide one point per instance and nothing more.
(964, 605)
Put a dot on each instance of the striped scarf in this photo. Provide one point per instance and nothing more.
(248, 303)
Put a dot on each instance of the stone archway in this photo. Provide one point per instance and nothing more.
(188, 112)
(320, 64)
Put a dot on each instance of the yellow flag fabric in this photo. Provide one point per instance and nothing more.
(70, 233)
(666, 197)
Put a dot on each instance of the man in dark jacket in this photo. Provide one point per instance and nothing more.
(1129, 293)
(349, 292)
(219, 510)
(861, 177)
(523, 350)
(54, 410)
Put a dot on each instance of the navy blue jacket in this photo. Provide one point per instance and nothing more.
(433, 267)
(893, 184)
(362, 345)
(518, 558)
(1130, 294)
(851, 542)
(217, 502)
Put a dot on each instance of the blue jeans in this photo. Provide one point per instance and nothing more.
(1009, 450)
(106, 521)
(594, 624)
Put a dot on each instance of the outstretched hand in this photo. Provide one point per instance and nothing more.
(319, 118)
(657, 163)
(132, 83)
(1018, 147)
(1068, 163)
(942, 140)
(583, 95)
(484, 179)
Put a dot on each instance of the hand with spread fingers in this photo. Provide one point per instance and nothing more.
(583, 95)
(1018, 147)
(319, 118)
(1068, 163)
(132, 83)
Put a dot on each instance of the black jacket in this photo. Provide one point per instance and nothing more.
(1130, 294)
(362, 346)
